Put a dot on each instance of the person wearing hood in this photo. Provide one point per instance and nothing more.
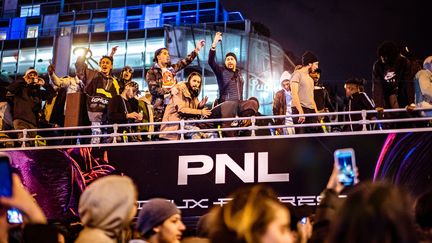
(106, 208)
(160, 221)
(161, 77)
(423, 86)
(229, 79)
(282, 104)
(184, 104)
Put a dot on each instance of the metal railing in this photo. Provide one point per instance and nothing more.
(112, 132)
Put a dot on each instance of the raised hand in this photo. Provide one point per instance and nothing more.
(217, 38)
(51, 69)
(203, 102)
(199, 45)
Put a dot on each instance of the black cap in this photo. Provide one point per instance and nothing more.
(231, 54)
(356, 81)
(157, 52)
(308, 57)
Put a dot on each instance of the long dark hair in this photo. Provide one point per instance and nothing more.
(374, 212)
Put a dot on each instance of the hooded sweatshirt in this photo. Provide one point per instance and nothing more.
(106, 208)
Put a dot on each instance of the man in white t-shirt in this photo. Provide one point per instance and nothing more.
(302, 91)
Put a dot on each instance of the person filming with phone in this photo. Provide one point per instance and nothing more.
(28, 94)
(19, 208)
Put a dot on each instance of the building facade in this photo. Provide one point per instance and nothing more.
(35, 33)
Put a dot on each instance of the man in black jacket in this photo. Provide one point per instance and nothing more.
(120, 110)
(100, 87)
(28, 96)
(228, 76)
(357, 101)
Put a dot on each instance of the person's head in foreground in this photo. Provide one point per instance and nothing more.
(254, 215)
(160, 221)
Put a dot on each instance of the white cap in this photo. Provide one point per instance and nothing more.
(30, 70)
(285, 76)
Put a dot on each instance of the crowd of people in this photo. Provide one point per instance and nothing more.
(371, 212)
(97, 97)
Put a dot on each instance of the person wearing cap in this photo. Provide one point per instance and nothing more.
(302, 90)
(282, 104)
(120, 110)
(161, 77)
(160, 221)
(357, 101)
(229, 79)
(100, 87)
(423, 86)
(28, 96)
(184, 104)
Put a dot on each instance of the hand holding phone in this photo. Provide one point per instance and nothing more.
(14, 196)
(345, 161)
(14, 216)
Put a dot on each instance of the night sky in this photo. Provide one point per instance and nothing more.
(343, 34)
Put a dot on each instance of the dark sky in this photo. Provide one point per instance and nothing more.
(343, 34)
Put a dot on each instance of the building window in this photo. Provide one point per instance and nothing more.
(99, 27)
(9, 62)
(3, 35)
(26, 59)
(43, 57)
(32, 31)
(81, 29)
(27, 11)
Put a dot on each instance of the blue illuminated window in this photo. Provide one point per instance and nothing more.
(3, 35)
(32, 10)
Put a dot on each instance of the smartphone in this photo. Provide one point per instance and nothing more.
(303, 220)
(345, 159)
(14, 216)
(5, 176)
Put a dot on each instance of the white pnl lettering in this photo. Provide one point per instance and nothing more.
(223, 162)
(184, 171)
(246, 175)
(263, 175)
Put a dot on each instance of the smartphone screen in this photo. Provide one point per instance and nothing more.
(346, 162)
(14, 216)
(303, 220)
(5, 177)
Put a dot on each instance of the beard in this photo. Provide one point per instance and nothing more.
(194, 93)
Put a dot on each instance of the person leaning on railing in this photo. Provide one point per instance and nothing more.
(357, 101)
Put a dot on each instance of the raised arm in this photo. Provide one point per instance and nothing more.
(189, 58)
(83, 72)
(212, 55)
